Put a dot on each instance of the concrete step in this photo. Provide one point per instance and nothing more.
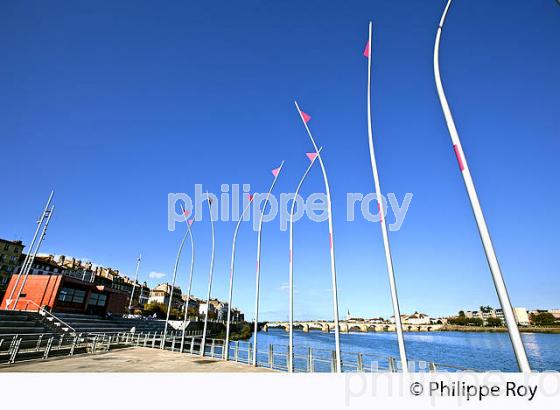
(19, 330)
(18, 323)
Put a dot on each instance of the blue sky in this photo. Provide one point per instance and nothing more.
(116, 105)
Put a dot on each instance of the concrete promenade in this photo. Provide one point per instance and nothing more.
(134, 360)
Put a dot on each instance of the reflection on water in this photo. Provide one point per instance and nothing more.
(480, 351)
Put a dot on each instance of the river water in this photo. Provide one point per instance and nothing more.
(470, 350)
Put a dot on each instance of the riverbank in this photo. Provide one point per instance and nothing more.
(528, 329)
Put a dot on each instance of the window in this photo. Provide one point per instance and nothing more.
(71, 295)
(97, 299)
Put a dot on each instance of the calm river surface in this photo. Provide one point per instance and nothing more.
(478, 351)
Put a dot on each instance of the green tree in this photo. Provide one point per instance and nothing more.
(493, 322)
(160, 309)
(461, 313)
(543, 319)
(486, 309)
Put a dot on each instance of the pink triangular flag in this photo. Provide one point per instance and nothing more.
(186, 213)
(190, 221)
(305, 117)
(311, 156)
(366, 50)
(250, 196)
(275, 172)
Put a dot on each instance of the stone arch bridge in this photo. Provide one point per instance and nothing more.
(347, 327)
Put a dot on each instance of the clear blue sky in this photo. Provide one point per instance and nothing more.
(116, 104)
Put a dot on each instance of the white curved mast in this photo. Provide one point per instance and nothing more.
(231, 271)
(210, 275)
(499, 283)
(276, 173)
(338, 360)
(189, 286)
(177, 258)
(382, 222)
(291, 273)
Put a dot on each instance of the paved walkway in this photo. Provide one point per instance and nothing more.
(132, 360)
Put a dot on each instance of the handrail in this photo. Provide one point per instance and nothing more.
(41, 309)
(277, 357)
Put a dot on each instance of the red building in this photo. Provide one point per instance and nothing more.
(59, 293)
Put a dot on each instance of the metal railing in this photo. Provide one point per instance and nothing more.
(23, 347)
(44, 312)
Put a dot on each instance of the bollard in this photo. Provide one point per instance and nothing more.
(212, 348)
(236, 351)
(60, 341)
(109, 340)
(146, 338)
(270, 356)
(94, 344)
(360, 362)
(192, 346)
(173, 344)
(154, 341)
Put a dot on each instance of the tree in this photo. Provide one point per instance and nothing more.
(192, 311)
(493, 322)
(543, 319)
(160, 309)
(461, 313)
(486, 309)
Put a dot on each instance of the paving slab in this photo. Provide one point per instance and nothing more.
(134, 360)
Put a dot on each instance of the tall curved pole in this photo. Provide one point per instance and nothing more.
(179, 251)
(276, 173)
(30, 252)
(41, 238)
(383, 224)
(312, 157)
(138, 261)
(203, 344)
(305, 118)
(231, 271)
(491, 257)
(189, 286)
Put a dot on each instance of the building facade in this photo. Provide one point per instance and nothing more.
(10, 253)
(161, 294)
(60, 293)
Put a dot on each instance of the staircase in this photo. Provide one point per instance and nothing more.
(18, 322)
(96, 324)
